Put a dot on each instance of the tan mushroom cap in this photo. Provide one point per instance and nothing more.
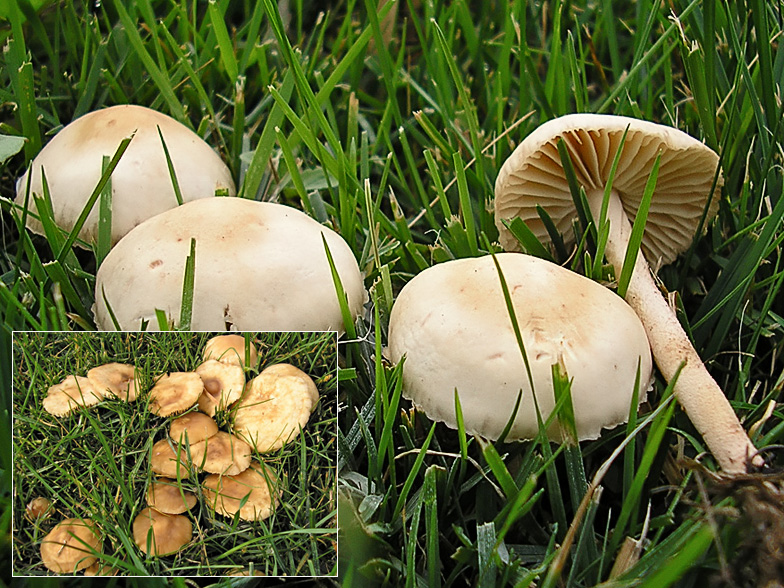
(230, 349)
(245, 573)
(223, 385)
(141, 183)
(69, 546)
(39, 508)
(452, 325)
(100, 568)
(166, 495)
(221, 454)
(533, 176)
(276, 405)
(197, 426)
(118, 379)
(272, 255)
(259, 483)
(169, 532)
(71, 393)
(175, 392)
(164, 460)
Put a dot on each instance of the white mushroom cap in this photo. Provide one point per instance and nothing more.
(533, 176)
(452, 324)
(258, 266)
(141, 184)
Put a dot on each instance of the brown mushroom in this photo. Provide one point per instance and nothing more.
(165, 462)
(38, 509)
(175, 392)
(195, 426)
(157, 533)
(70, 545)
(230, 349)
(221, 454)
(223, 385)
(167, 496)
(118, 379)
(258, 483)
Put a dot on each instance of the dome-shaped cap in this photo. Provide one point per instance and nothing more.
(141, 184)
(230, 349)
(166, 495)
(164, 533)
(196, 426)
(258, 483)
(452, 325)
(259, 265)
(533, 176)
(69, 546)
(118, 379)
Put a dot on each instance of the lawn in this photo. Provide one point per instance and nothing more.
(389, 122)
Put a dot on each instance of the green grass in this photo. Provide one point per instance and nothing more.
(397, 146)
(94, 463)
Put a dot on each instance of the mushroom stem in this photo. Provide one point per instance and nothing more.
(696, 390)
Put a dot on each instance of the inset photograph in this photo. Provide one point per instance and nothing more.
(175, 454)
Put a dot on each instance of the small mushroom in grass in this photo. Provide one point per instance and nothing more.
(223, 385)
(141, 183)
(258, 483)
(533, 177)
(259, 265)
(118, 379)
(195, 425)
(71, 393)
(70, 545)
(175, 392)
(158, 534)
(276, 405)
(221, 454)
(164, 461)
(230, 349)
(167, 496)
(39, 508)
(452, 325)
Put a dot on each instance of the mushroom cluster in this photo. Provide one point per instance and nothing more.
(235, 483)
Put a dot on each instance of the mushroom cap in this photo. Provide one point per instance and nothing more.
(259, 266)
(100, 568)
(68, 395)
(118, 379)
(163, 494)
(230, 349)
(196, 425)
(259, 483)
(175, 392)
(169, 532)
(452, 325)
(533, 176)
(276, 405)
(223, 384)
(38, 508)
(221, 454)
(164, 460)
(69, 545)
(141, 184)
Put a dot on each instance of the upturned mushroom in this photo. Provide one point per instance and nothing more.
(231, 349)
(533, 177)
(258, 265)
(70, 546)
(275, 407)
(223, 385)
(452, 325)
(116, 379)
(141, 183)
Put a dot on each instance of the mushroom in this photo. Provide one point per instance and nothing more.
(118, 379)
(533, 176)
(195, 425)
(452, 325)
(38, 508)
(258, 265)
(175, 392)
(157, 533)
(276, 405)
(165, 462)
(70, 545)
(223, 385)
(68, 395)
(222, 453)
(230, 349)
(167, 496)
(225, 494)
(141, 183)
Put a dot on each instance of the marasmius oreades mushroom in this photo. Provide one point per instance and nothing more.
(533, 176)
(453, 327)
